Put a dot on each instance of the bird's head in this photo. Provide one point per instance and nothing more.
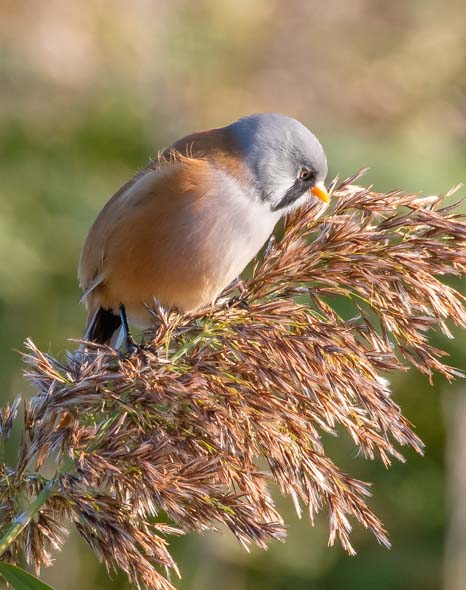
(286, 161)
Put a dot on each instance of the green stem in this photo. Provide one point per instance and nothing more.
(23, 519)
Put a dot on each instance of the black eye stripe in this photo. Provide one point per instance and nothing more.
(295, 191)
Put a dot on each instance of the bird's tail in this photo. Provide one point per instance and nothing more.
(102, 326)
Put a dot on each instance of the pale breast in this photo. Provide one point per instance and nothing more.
(239, 226)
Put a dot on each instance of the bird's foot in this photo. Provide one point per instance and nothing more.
(133, 349)
(237, 301)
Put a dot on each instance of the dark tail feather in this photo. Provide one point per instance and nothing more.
(102, 326)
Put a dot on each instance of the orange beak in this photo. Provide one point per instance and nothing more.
(320, 191)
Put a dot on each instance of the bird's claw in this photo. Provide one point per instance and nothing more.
(133, 349)
(238, 301)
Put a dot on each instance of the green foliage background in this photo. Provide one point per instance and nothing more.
(90, 90)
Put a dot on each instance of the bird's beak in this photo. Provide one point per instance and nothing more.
(320, 191)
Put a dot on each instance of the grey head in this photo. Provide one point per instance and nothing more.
(285, 159)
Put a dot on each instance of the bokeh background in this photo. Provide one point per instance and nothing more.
(90, 90)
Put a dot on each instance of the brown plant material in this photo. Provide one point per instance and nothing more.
(235, 397)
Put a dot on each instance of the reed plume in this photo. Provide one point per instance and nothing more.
(190, 433)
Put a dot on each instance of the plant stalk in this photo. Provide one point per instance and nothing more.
(23, 519)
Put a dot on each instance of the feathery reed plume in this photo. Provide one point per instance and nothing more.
(230, 399)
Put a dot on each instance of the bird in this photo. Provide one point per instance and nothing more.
(186, 225)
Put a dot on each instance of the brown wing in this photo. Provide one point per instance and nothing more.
(133, 243)
(91, 260)
(196, 145)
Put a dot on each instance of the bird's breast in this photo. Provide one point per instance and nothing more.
(226, 233)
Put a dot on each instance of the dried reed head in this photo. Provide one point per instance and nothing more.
(235, 397)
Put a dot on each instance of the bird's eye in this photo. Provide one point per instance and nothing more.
(306, 175)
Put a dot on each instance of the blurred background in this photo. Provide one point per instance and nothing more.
(90, 90)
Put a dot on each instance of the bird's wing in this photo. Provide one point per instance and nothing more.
(144, 198)
(98, 280)
(90, 273)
